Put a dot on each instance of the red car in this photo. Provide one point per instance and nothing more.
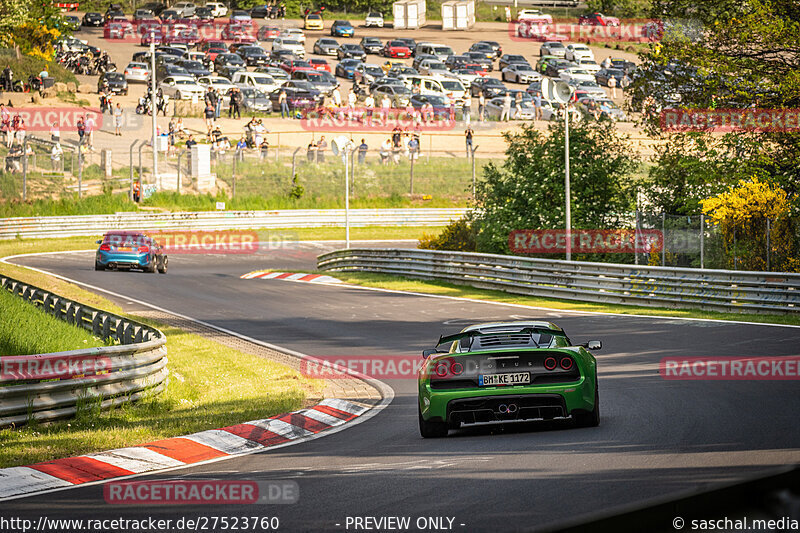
(396, 49)
(237, 31)
(319, 64)
(475, 68)
(268, 33)
(293, 65)
(597, 19)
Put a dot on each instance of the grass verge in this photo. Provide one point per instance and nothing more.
(210, 386)
(397, 283)
(21, 322)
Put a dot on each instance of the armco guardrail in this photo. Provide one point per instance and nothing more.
(69, 226)
(51, 386)
(717, 290)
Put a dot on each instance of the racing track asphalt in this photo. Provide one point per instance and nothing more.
(656, 437)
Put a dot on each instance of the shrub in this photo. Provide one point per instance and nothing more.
(458, 236)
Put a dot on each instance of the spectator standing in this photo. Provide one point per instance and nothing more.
(385, 151)
(55, 133)
(55, 155)
(171, 136)
(612, 84)
(283, 103)
(606, 63)
(190, 141)
(467, 109)
(322, 145)
(413, 148)
(311, 152)
(386, 105)
(351, 103)
(137, 191)
(5, 124)
(217, 104)
(81, 127)
(20, 130)
(468, 133)
(537, 106)
(362, 151)
(233, 111)
(241, 146)
(518, 105)
(209, 115)
(8, 79)
(90, 127)
(369, 104)
(118, 120)
(264, 149)
(337, 97)
(481, 106)
(505, 114)
(397, 136)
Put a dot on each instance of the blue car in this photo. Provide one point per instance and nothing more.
(342, 28)
(130, 250)
(346, 67)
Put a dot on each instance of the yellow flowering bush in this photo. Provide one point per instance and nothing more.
(753, 218)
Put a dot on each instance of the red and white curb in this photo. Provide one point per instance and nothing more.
(291, 276)
(205, 446)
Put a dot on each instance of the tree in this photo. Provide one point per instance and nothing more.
(753, 217)
(527, 192)
(621, 8)
(726, 54)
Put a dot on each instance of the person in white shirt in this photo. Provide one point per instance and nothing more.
(505, 115)
(369, 104)
(386, 105)
(467, 109)
(337, 97)
(90, 127)
(612, 84)
(385, 151)
(55, 133)
(351, 104)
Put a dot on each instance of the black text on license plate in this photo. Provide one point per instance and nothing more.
(513, 378)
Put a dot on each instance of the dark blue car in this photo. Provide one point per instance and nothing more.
(342, 28)
(346, 67)
(130, 250)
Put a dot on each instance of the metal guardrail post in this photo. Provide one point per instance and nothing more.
(130, 163)
(178, 185)
(141, 169)
(80, 173)
(294, 161)
(663, 239)
(24, 170)
(702, 239)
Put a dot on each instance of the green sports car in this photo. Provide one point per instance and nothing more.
(507, 372)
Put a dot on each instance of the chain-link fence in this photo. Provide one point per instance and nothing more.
(691, 241)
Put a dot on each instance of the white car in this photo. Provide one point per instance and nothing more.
(520, 73)
(292, 45)
(186, 9)
(373, 18)
(218, 9)
(575, 74)
(181, 87)
(137, 72)
(295, 34)
(465, 76)
(217, 82)
(260, 81)
(453, 88)
(534, 14)
(576, 52)
(240, 15)
(589, 65)
(277, 74)
(427, 65)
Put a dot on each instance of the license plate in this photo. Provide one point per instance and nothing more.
(124, 249)
(514, 378)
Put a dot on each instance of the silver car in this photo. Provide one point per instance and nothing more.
(553, 48)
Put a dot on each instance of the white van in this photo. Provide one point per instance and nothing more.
(258, 80)
(438, 86)
(441, 51)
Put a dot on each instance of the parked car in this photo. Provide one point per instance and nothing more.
(204, 14)
(268, 33)
(313, 21)
(320, 64)
(410, 43)
(195, 68)
(130, 249)
(508, 59)
(218, 8)
(488, 86)
(228, 59)
(396, 49)
(520, 73)
(342, 28)
(373, 19)
(117, 84)
(498, 50)
(399, 95)
(372, 45)
(223, 85)
(290, 45)
(553, 48)
(322, 81)
(589, 65)
(367, 73)
(92, 19)
(575, 52)
(240, 15)
(260, 11)
(441, 109)
(181, 87)
(353, 50)
(401, 70)
(299, 95)
(293, 33)
(254, 56)
(589, 88)
(255, 100)
(553, 68)
(606, 74)
(346, 68)
(576, 74)
(186, 9)
(326, 46)
(481, 59)
(597, 19)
